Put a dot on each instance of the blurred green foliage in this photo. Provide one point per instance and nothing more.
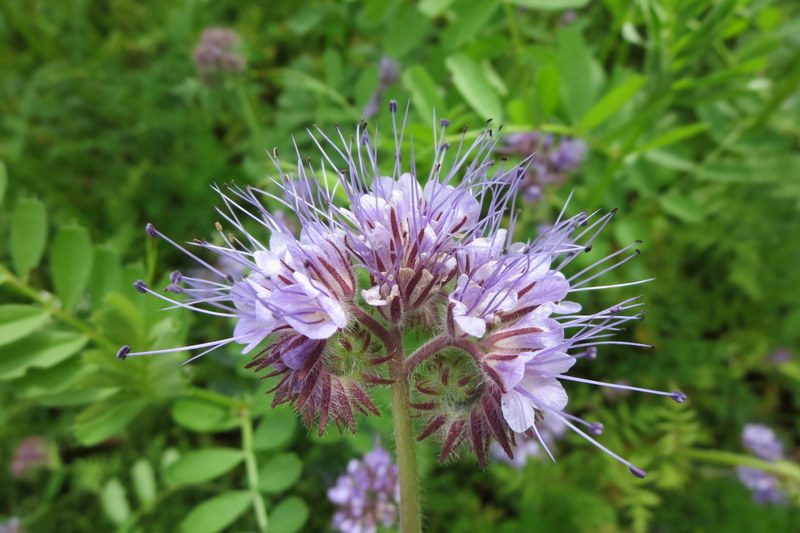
(691, 111)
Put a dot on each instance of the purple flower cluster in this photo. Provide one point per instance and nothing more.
(551, 163)
(30, 455)
(216, 54)
(326, 311)
(12, 526)
(367, 495)
(762, 441)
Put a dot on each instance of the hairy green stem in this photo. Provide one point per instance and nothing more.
(405, 444)
(252, 470)
(780, 468)
(47, 301)
(426, 351)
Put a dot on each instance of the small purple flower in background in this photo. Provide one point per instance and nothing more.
(217, 54)
(31, 454)
(388, 73)
(367, 495)
(551, 163)
(12, 526)
(763, 442)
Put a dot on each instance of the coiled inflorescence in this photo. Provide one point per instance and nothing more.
(385, 252)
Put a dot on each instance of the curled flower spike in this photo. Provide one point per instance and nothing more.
(384, 251)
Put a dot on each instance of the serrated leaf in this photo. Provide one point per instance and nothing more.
(114, 501)
(144, 481)
(204, 465)
(40, 351)
(71, 263)
(550, 5)
(612, 102)
(28, 235)
(198, 415)
(17, 321)
(275, 430)
(469, 79)
(217, 513)
(280, 472)
(82, 396)
(102, 420)
(289, 515)
(45, 381)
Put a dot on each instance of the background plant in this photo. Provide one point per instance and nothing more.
(689, 111)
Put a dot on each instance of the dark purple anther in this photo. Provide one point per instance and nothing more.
(596, 429)
(591, 353)
(174, 287)
(123, 352)
(176, 277)
(393, 106)
(151, 230)
(638, 472)
(140, 286)
(444, 122)
(678, 396)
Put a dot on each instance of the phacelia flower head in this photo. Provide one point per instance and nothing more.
(367, 495)
(386, 249)
(217, 53)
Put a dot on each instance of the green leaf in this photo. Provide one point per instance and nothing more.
(433, 8)
(217, 513)
(280, 472)
(204, 465)
(424, 92)
(3, 181)
(17, 320)
(144, 481)
(275, 430)
(681, 207)
(28, 235)
(575, 72)
(471, 82)
(550, 5)
(107, 277)
(40, 351)
(612, 102)
(288, 516)
(547, 90)
(198, 415)
(71, 263)
(102, 420)
(672, 136)
(471, 17)
(114, 501)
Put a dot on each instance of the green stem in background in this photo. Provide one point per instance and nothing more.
(250, 116)
(252, 470)
(405, 444)
(512, 18)
(48, 301)
(780, 468)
